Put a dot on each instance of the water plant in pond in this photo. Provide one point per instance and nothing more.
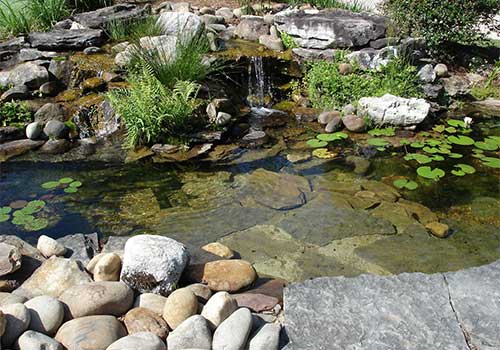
(463, 169)
(332, 137)
(4, 213)
(486, 145)
(461, 140)
(323, 153)
(65, 180)
(50, 185)
(429, 173)
(383, 132)
(315, 143)
(420, 158)
(405, 184)
(379, 144)
(491, 162)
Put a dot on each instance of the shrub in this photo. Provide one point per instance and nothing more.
(153, 112)
(440, 22)
(133, 30)
(288, 41)
(14, 113)
(187, 65)
(46, 13)
(354, 6)
(489, 89)
(327, 88)
(13, 19)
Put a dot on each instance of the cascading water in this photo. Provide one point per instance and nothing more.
(259, 83)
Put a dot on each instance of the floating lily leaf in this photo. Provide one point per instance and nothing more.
(377, 142)
(461, 140)
(332, 137)
(486, 145)
(477, 150)
(404, 142)
(35, 206)
(315, 143)
(382, 132)
(491, 162)
(456, 123)
(5, 210)
(479, 155)
(417, 144)
(36, 225)
(4, 217)
(380, 149)
(438, 158)
(406, 184)
(433, 143)
(65, 180)
(425, 134)
(430, 150)
(439, 128)
(322, 153)
(443, 150)
(493, 139)
(22, 219)
(422, 158)
(458, 173)
(50, 185)
(451, 130)
(71, 190)
(429, 173)
(455, 155)
(465, 168)
(75, 184)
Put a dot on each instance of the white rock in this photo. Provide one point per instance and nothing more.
(46, 314)
(151, 301)
(10, 259)
(141, 340)
(267, 338)
(31, 340)
(193, 333)
(153, 263)
(18, 320)
(182, 25)
(50, 247)
(232, 334)
(393, 110)
(219, 307)
(107, 267)
(9, 298)
(427, 74)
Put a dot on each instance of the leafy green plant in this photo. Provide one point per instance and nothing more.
(89, 5)
(463, 169)
(405, 184)
(429, 173)
(134, 29)
(442, 23)
(46, 13)
(14, 19)
(328, 88)
(382, 132)
(153, 112)
(12, 113)
(488, 89)
(288, 41)
(354, 6)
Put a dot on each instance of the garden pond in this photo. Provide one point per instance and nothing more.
(292, 215)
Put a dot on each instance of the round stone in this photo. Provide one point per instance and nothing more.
(10, 259)
(438, 229)
(180, 305)
(326, 117)
(142, 341)
(266, 338)
(33, 130)
(219, 249)
(3, 323)
(354, 123)
(55, 129)
(202, 292)
(144, 320)
(9, 298)
(151, 301)
(193, 333)
(50, 247)
(232, 334)
(108, 267)
(98, 298)
(17, 319)
(31, 340)
(90, 332)
(228, 275)
(46, 314)
(218, 308)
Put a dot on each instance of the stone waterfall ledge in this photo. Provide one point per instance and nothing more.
(411, 311)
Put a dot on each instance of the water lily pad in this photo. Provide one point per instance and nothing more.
(456, 123)
(404, 142)
(451, 130)
(71, 190)
(486, 145)
(315, 143)
(429, 173)
(5, 210)
(377, 142)
(439, 128)
(417, 144)
(332, 137)
(422, 158)
(75, 184)
(4, 217)
(461, 140)
(491, 162)
(465, 168)
(322, 153)
(455, 155)
(65, 180)
(22, 219)
(382, 132)
(50, 185)
(405, 184)
(438, 158)
(35, 205)
(36, 224)
(493, 139)
(433, 143)
(430, 150)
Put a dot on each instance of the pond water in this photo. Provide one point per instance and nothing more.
(292, 220)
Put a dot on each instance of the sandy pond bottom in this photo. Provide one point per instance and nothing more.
(293, 221)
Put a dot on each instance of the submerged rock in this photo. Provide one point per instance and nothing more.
(393, 110)
(330, 28)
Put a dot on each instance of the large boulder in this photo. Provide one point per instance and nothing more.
(98, 298)
(394, 110)
(183, 25)
(193, 333)
(18, 147)
(142, 340)
(251, 28)
(29, 74)
(46, 313)
(99, 19)
(53, 277)
(35, 340)
(90, 333)
(81, 247)
(18, 320)
(10, 259)
(330, 28)
(153, 263)
(63, 39)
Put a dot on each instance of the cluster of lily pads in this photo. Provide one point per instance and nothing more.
(321, 142)
(27, 214)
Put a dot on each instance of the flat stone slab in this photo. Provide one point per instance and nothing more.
(452, 311)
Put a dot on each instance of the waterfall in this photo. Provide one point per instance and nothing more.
(259, 85)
